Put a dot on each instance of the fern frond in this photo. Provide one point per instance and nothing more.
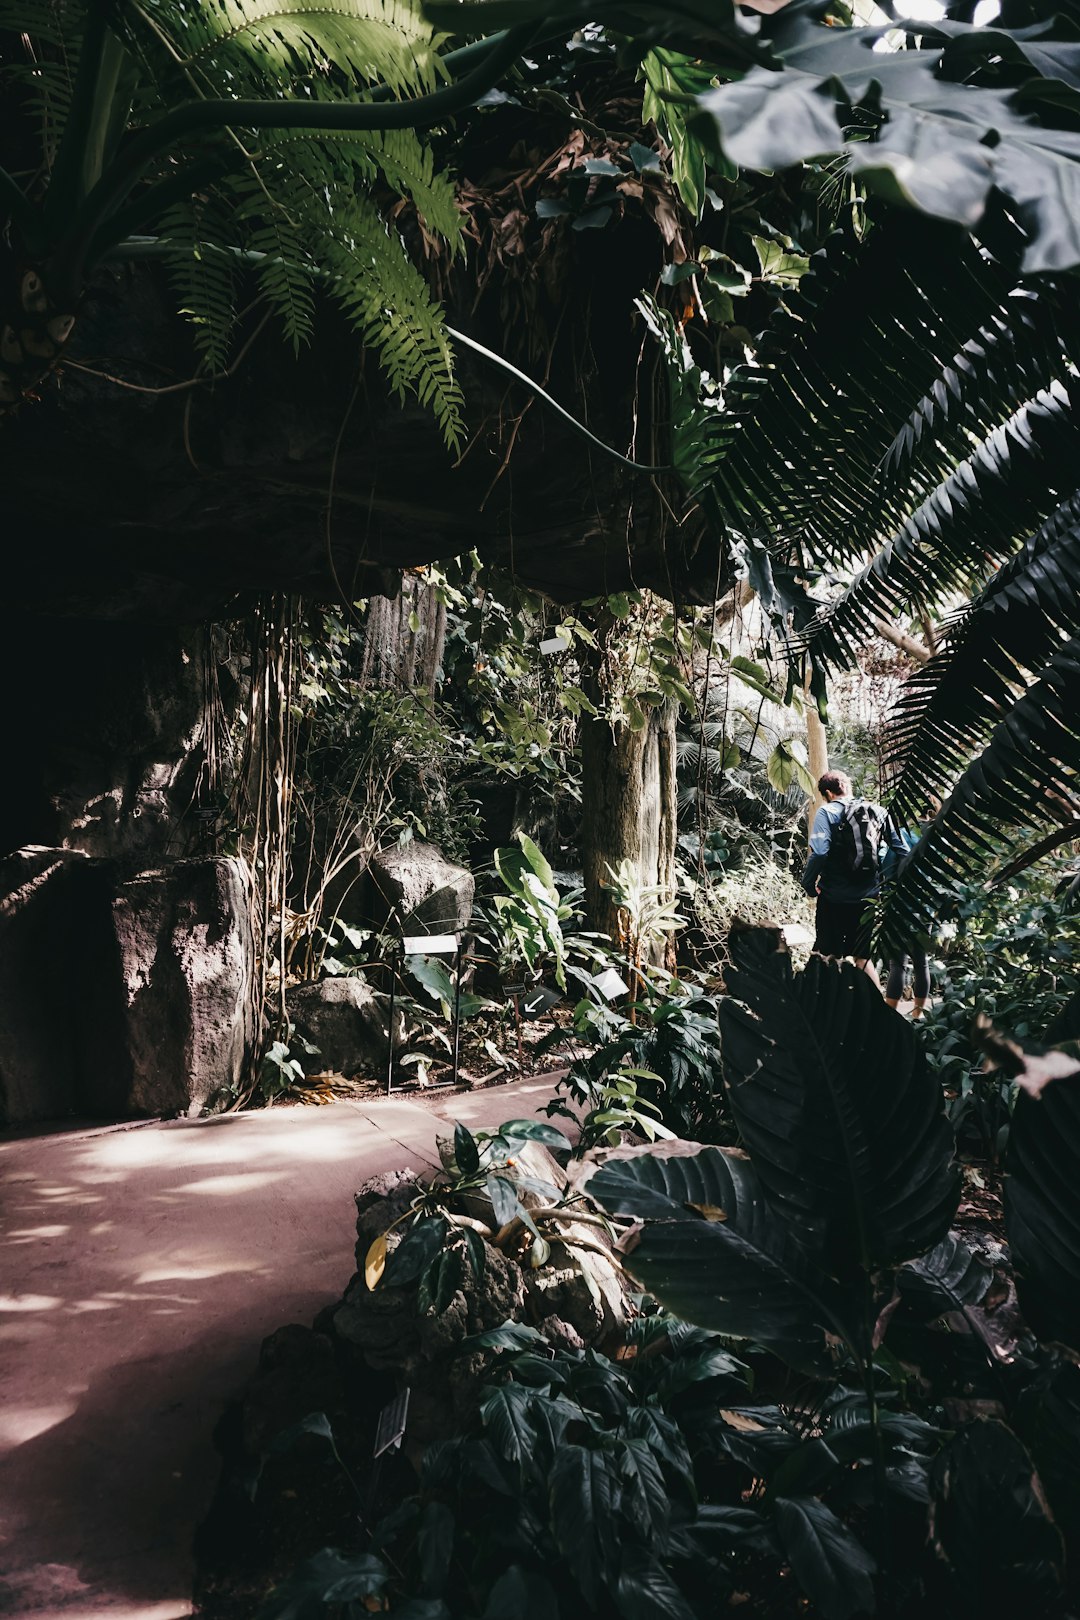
(236, 44)
(388, 303)
(969, 524)
(203, 276)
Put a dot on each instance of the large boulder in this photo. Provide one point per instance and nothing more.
(188, 967)
(421, 891)
(347, 1021)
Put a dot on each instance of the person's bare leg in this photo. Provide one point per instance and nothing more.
(869, 969)
(891, 1002)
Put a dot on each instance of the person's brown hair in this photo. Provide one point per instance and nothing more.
(835, 782)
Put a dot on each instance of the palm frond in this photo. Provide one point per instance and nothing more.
(992, 649)
(971, 521)
(1030, 762)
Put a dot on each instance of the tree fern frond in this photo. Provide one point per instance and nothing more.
(389, 304)
(1033, 757)
(203, 276)
(234, 43)
(948, 708)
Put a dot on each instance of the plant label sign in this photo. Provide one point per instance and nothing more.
(538, 1001)
(430, 944)
(392, 1420)
(553, 644)
(610, 984)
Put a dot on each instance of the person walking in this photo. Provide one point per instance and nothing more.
(843, 871)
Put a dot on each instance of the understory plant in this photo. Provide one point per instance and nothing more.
(827, 1241)
(829, 1404)
(1010, 956)
(657, 1074)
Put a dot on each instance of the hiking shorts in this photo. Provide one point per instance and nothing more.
(844, 928)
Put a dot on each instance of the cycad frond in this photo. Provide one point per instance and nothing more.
(204, 278)
(1030, 763)
(970, 522)
(948, 708)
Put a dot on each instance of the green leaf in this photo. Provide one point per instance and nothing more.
(325, 1577)
(434, 1546)
(832, 1567)
(504, 1199)
(534, 1130)
(521, 1595)
(736, 1268)
(416, 1251)
(585, 1490)
(989, 1526)
(434, 977)
(1041, 1216)
(836, 1105)
(466, 1152)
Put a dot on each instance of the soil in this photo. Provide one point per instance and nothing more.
(527, 1051)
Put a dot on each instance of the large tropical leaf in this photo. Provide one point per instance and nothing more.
(1042, 1217)
(714, 1253)
(990, 1528)
(946, 141)
(839, 1112)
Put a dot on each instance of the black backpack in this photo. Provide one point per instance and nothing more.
(856, 843)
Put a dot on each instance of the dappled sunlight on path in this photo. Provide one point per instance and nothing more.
(140, 1267)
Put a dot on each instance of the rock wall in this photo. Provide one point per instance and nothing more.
(121, 996)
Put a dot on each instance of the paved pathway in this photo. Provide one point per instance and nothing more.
(140, 1268)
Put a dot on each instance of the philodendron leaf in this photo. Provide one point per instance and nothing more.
(839, 1112)
(325, 1577)
(737, 1270)
(1042, 1216)
(416, 1251)
(990, 1528)
(832, 1567)
(946, 1278)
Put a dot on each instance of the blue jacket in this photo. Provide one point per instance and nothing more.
(838, 886)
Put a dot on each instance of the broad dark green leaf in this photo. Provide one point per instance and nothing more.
(416, 1251)
(832, 1567)
(1042, 1212)
(585, 1492)
(738, 1272)
(534, 1130)
(645, 1591)
(840, 1114)
(504, 1199)
(946, 1278)
(439, 1282)
(990, 1528)
(326, 1577)
(521, 1594)
(434, 1546)
(466, 1152)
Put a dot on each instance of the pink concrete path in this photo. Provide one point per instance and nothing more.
(140, 1268)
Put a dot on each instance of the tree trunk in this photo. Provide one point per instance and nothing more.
(397, 656)
(629, 796)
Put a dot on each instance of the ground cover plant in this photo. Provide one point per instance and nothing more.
(825, 1401)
